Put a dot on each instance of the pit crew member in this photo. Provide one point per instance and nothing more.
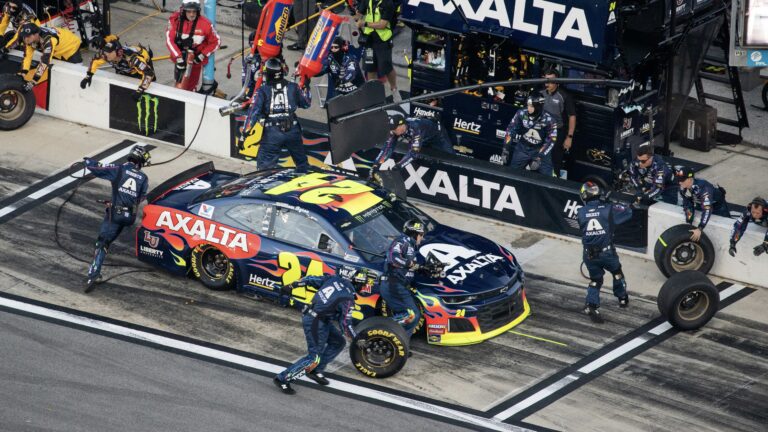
(757, 213)
(133, 61)
(693, 190)
(400, 265)
(53, 43)
(189, 31)
(418, 132)
(343, 69)
(652, 177)
(534, 133)
(16, 13)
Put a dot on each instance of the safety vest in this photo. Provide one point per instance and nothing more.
(373, 15)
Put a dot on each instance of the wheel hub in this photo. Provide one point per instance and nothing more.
(685, 254)
(8, 102)
(380, 352)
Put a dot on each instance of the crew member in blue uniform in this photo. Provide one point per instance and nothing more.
(757, 213)
(400, 265)
(129, 187)
(334, 301)
(534, 133)
(418, 132)
(652, 177)
(275, 106)
(597, 220)
(343, 69)
(693, 191)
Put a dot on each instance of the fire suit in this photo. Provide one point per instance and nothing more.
(344, 74)
(711, 200)
(203, 42)
(275, 105)
(740, 226)
(135, 62)
(334, 301)
(394, 288)
(57, 43)
(534, 138)
(421, 132)
(9, 37)
(129, 187)
(657, 182)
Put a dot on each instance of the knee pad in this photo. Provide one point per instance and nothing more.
(405, 318)
(618, 275)
(101, 244)
(595, 283)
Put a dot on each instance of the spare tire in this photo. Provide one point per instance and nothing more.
(387, 347)
(675, 252)
(688, 300)
(16, 105)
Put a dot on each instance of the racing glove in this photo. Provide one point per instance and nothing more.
(241, 142)
(137, 94)
(86, 82)
(181, 65)
(535, 163)
(362, 344)
(760, 249)
(732, 249)
(199, 58)
(505, 155)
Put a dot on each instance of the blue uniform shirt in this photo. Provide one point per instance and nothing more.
(345, 76)
(400, 257)
(129, 183)
(540, 132)
(419, 130)
(740, 226)
(597, 221)
(334, 299)
(653, 179)
(277, 102)
(703, 193)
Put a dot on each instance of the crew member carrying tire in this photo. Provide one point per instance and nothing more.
(400, 265)
(334, 301)
(129, 187)
(757, 213)
(596, 221)
(191, 39)
(132, 61)
(693, 190)
(534, 134)
(53, 43)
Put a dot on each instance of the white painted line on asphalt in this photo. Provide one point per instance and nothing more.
(353, 390)
(599, 362)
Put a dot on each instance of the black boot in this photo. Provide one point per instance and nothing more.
(318, 378)
(284, 386)
(594, 313)
(91, 283)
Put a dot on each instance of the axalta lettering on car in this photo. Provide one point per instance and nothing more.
(257, 232)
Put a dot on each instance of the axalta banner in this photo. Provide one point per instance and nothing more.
(577, 29)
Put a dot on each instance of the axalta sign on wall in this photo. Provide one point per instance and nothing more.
(175, 225)
(573, 28)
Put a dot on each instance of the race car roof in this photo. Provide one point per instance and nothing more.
(332, 195)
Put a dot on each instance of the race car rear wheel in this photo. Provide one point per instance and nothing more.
(675, 252)
(212, 268)
(386, 351)
(688, 300)
(16, 105)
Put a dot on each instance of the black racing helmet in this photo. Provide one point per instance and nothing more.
(414, 227)
(395, 120)
(590, 191)
(273, 70)
(537, 102)
(28, 29)
(139, 155)
(683, 172)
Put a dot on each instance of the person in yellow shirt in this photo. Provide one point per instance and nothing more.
(15, 14)
(58, 43)
(132, 61)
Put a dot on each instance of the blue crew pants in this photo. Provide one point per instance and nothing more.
(400, 300)
(324, 343)
(605, 260)
(272, 142)
(524, 154)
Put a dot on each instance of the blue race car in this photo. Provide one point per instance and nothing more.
(260, 231)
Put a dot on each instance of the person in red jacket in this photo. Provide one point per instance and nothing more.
(191, 39)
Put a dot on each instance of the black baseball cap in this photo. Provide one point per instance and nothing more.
(396, 120)
(683, 172)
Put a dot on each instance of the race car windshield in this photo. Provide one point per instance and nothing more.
(373, 235)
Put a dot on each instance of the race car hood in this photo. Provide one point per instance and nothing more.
(473, 264)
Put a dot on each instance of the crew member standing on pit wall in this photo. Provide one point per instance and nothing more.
(188, 31)
(596, 221)
(535, 134)
(693, 190)
(53, 43)
(129, 187)
(343, 69)
(757, 213)
(375, 18)
(132, 61)
(16, 13)
(275, 107)
(652, 177)
(333, 301)
(401, 263)
(419, 132)
(559, 104)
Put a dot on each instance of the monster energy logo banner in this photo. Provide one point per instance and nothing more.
(147, 105)
(151, 116)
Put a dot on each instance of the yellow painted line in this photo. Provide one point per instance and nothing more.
(538, 338)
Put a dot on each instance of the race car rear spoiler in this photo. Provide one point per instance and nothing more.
(179, 179)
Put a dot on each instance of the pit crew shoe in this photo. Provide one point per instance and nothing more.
(318, 378)
(284, 386)
(594, 314)
(91, 283)
(624, 302)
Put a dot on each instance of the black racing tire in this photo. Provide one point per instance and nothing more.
(212, 268)
(675, 252)
(688, 300)
(387, 351)
(383, 310)
(16, 105)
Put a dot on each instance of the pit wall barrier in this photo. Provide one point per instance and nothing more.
(171, 115)
(744, 267)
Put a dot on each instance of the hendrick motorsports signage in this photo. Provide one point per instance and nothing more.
(152, 116)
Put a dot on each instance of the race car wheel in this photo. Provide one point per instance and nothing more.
(212, 268)
(386, 347)
(675, 252)
(688, 300)
(16, 105)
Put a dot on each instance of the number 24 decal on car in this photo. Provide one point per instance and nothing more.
(290, 262)
(319, 188)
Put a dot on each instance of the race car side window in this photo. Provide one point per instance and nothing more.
(301, 229)
(249, 217)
